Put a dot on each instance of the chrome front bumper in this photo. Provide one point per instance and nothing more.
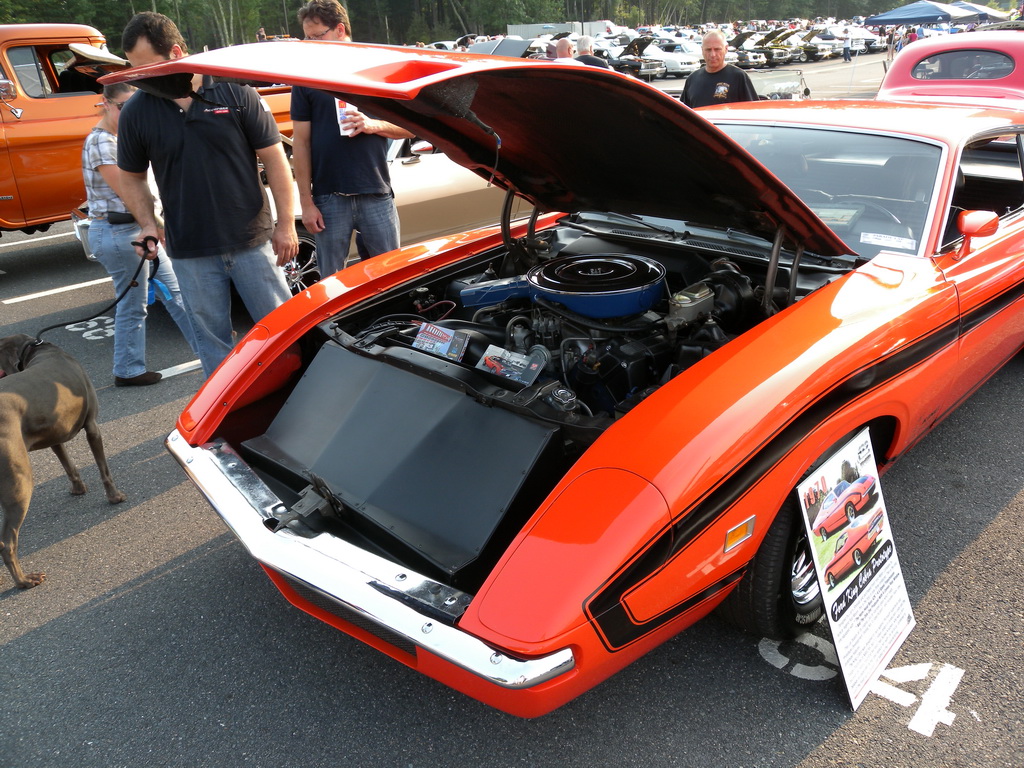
(373, 588)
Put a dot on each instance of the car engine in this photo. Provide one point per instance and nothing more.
(578, 340)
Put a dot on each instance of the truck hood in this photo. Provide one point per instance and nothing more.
(564, 137)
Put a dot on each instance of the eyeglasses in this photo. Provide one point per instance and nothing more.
(118, 104)
(319, 36)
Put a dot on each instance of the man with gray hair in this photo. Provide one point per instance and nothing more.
(717, 82)
(585, 47)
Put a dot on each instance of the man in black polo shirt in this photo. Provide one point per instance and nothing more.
(203, 149)
(717, 82)
(340, 158)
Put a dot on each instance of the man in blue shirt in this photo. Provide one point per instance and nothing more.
(340, 159)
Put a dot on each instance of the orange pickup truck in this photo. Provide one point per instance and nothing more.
(48, 103)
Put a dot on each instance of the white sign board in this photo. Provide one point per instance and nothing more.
(858, 571)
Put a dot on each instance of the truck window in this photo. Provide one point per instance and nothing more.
(29, 72)
(74, 75)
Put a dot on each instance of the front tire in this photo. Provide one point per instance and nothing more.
(778, 597)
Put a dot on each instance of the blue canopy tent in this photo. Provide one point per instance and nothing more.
(923, 12)
(984, 12)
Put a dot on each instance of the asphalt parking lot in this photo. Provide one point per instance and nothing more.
(156, 640)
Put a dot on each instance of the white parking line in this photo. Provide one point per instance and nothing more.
(177, 370)
(36, 240)
(66, 288)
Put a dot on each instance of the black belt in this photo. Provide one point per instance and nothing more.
(119, 217)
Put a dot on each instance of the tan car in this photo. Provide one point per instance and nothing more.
(434, 195)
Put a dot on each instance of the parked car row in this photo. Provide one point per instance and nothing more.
(784, 46)
(659, 55)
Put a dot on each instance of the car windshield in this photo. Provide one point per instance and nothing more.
(872, 191)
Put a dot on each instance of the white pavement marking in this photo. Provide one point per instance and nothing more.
(908, 673)
(770, 652)
(65, 289)
(177, 370)
(935, 700)
(892, 693)
(36, 240)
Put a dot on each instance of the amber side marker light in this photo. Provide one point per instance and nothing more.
(736, 536)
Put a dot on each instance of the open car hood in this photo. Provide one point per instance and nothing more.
(636, 46)
(740, 39)
(564, 137)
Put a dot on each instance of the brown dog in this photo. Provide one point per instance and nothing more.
(46, 399)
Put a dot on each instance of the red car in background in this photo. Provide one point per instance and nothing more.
(843, 504)
(969, 68)
(851, 547)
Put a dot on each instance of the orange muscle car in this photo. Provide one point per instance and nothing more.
(825, 267)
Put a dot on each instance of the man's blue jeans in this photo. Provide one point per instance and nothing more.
(112, 245)
(206, 288)
(374, 216)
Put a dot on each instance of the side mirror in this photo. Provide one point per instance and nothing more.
(7, 92)
(973, 224)
(420, 147)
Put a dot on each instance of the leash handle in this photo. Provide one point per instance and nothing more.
(148, 244)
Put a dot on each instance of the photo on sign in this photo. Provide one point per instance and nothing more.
(844, 514)
(862, 586)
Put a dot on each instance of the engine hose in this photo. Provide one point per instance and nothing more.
(522, 320)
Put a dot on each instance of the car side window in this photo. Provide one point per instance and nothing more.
(989, 178)
(964, 65)
(28, 70)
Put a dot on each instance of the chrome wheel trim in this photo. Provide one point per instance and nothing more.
(803, 582)
(302, 271)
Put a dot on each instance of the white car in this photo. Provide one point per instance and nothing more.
(677, 63)
(692, 47)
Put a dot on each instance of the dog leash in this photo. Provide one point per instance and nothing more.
(148, 244)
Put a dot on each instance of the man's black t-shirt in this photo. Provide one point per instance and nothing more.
(729, 84)
(205, 165)
(348, 165)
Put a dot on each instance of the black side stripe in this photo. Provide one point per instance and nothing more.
(606, 609)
